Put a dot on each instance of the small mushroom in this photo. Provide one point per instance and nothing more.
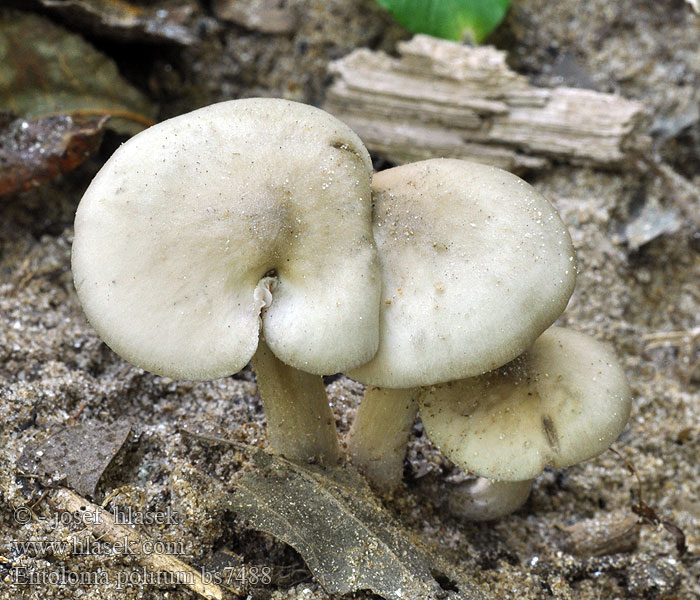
(563, 401)
(245, 217)
(482, 499)
(475, 266)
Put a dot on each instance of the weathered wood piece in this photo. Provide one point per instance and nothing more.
(265, 16)
(604, 535)
(441, 98)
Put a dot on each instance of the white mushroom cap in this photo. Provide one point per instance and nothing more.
(177, 232)
(563, 401)
(475, 266)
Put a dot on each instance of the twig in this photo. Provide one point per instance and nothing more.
(687, 343)
(648, 515)
(105, 527)
(105, 112)
(218, 440)
(41, 497)
(73, 419)
(633, 471)
(671, 338)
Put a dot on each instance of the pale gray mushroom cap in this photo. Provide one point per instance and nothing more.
(563, 401)
(475, 266)
(199, 223)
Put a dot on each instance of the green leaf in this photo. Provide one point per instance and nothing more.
(449, 19)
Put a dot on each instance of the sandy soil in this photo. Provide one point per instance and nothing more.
(53, 366)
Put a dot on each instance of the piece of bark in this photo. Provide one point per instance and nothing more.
(441, 98)
(265, 16)
(608, 534)
(46, 70)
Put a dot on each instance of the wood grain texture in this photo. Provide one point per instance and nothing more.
(440, 98)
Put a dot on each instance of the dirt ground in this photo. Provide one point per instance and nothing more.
(643, 301)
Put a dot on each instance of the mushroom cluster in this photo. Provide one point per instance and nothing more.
(476, 265)
(255, 230)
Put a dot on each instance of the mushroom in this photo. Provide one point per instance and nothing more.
(563, 401)
(481, 499)
(245, 218)
(475, 266)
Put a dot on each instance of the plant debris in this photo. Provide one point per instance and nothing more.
(607, 534)
(75, 456)
(265, 16)
(47, 71)
(104, 527)
(124, 21)
(650, 222)
(649, 516)
(444, 99)
(347, 539)
(52, 364)
(35, 151)
(458, 20)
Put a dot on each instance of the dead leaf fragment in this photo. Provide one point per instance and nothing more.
(266, 16)
(76, 456)
(607, 534)
(124, 21)
(651, 221)
(347, 539)
(45, 71)
(32, 152)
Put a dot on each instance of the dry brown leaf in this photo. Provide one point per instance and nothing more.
(348, 540)
(165, 21)
(32, 152)
(76, 456)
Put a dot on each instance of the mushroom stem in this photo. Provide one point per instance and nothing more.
(379, 435)
(482, 499)
(300, 423)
